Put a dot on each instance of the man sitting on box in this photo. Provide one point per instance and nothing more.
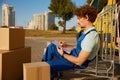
(85, 50)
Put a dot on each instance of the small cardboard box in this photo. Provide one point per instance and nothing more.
(12, 38)
(11, 63)
(36, 71)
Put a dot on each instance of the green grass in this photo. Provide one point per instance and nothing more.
(39, 33)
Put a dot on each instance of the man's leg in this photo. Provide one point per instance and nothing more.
(50, 52)
(59, 65)
(63, 64)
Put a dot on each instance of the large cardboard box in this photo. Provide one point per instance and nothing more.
(12, 38)
(36, 71)
(11, 63)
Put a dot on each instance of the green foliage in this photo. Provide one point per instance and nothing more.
(53, 27)
(61, 23)
(62, 9)
(72, 29)
(54, 7)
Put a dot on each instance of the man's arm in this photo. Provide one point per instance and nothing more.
(82, 57)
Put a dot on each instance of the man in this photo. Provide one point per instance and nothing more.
(85, 50)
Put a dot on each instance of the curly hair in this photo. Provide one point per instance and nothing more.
(82, 11)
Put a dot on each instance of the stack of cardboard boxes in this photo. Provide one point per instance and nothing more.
(13, 53)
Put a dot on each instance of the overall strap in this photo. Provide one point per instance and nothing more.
(79, 34)
(90, 31)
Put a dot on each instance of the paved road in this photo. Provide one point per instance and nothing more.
(38, 44)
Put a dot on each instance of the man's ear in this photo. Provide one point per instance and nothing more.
(86, 16)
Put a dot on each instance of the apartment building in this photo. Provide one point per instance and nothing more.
(41, 21)
(8, 15)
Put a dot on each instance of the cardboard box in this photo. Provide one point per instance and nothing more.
(11, 63)
(36, 71)
(12, 38)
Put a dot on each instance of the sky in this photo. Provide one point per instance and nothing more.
(24, 10)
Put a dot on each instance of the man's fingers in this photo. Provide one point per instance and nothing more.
(62, 43)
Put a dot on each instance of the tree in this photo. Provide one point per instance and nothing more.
(53, 27)
(61, 23)
(62, 9)
(72, 29)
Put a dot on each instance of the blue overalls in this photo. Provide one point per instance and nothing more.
(63, 64)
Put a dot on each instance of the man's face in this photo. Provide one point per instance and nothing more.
(81, 21)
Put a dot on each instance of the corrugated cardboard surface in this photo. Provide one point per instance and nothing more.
(36, 71)
(11, 63)
(12, 38)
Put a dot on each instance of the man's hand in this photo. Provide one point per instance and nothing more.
(60, 50)
(62, 43)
